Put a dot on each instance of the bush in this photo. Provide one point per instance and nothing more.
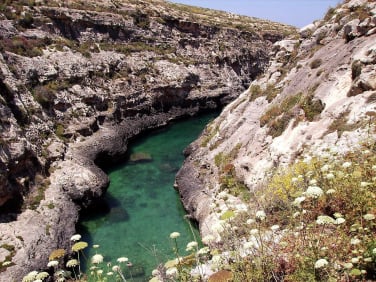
(26, 21)
(45, 96)
(315, 63)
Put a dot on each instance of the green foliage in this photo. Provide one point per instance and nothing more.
(312, 107)
(140, 19)
(278, 117)
(318, 222)
(340, 124)
(44, 95)
(59, 131)
(209, 132)
(356, 69)
(26, 21)
(271, 92)
(8, 259)
(23, 46)
(255, 92)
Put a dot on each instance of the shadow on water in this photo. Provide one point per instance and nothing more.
(141, 208)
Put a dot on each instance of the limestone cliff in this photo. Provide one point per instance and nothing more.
(78, 79)
(318, 92)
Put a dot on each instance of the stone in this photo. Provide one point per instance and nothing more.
(140, 157)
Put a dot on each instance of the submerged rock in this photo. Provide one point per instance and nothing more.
(140, 157)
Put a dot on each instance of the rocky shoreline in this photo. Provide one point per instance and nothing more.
(79, 81)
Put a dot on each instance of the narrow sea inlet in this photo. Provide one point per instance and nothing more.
(141, 208)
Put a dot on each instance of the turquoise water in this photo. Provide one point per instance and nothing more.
(142, 207)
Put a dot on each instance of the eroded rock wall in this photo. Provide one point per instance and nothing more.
(318, 92)
(77, 81)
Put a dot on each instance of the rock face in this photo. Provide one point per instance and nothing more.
(319, 91)
(78, 80)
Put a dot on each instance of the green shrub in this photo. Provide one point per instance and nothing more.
(255, 92)
(26, 21)
(23, 46)
(44, 95)
(356, 69)
(312, 107)
(140, 19)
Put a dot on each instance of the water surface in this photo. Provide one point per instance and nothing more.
(142, 208)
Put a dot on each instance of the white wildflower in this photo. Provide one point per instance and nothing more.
(325, 168)
(52, 263)
(314, 192)
(207, 239)
(369, 216)
(298, 201)
(324, 219)
(30, 276)
(155, 272)
(72, 263)
(97, 259)
(96, 246)
(174, 235)
(321, 263)
(330, 191)
(374, 251)
(355, 260)
(203, 251)
(339, 221)
(110, 273)
(337, 215)
(76, 237)
(330, 176)
(122, 259)
(365, 184)
(218, 227)
(369, 259)
(216, 259)
(313, 182)
(248, 245)
(355, 241)
(348, 265)
(99, 271)
(296, 214)
(116, 268)
(274, 227)
(260, 215)
(250, 221)
(191, 246)
(346, 164)
(254, 231)
(173, 271)
(294, 179)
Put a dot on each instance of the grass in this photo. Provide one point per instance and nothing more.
(23, 46)
(315, 63)
(278, 117)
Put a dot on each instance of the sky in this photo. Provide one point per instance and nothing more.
(298, 13)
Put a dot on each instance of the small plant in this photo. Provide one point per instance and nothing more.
(255, 92)
(315, 63)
